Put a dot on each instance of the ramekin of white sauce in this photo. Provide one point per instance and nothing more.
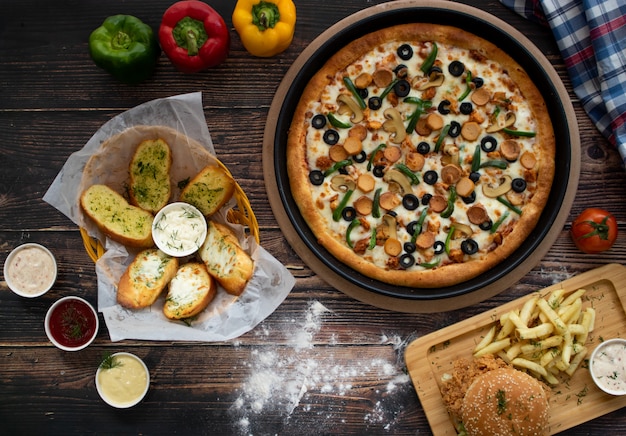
(179, 229)
(608, 366)
(122, 380)
(30, 270)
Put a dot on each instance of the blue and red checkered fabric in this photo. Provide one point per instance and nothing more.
(591, 36)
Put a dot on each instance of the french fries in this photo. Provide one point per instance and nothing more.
(546, 336)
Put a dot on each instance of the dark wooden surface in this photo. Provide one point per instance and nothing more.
(52, 100)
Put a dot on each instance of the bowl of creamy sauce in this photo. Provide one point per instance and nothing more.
(608, 366)
(30, 270)
(122, 380)
(179, 229)
(71, 323)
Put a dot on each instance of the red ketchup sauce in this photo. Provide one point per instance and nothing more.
(72, 323)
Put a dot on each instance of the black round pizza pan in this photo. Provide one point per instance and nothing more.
(407, 299)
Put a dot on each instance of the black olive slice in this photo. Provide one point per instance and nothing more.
(348, 213)
(439, 247)
(470, 198)
(518, 185)
(374, 103)
(379, 170)
(318, 121)
(409, 247)
(402, 88)
(405, 52)
(410, 228)
(423, 147)
(331, 137)
(401, 71)
(361, 157)
(407, 260)
(466, 108)
(316, 177)
(469, 246)
(456, 68)
(478, 82)
(430, 177)
(474, 176)
(444, 107)
(486, 225)
(363, 92)
(488, 143)
(455, 129)
(434, 70)
(410, 202)
(426, 199)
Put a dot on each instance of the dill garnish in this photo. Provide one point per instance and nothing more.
(109, 361)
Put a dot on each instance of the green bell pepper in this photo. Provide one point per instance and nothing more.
(126, 48)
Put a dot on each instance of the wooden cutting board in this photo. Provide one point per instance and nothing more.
(571, 403)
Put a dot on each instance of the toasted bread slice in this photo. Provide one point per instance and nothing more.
(190, 291)
(145, 278)
(127, 224)
(150, 175)
(225, 260)
(209, 190)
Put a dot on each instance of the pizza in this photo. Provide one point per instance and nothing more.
(421, 155)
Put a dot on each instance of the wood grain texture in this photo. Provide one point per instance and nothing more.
(53, 99)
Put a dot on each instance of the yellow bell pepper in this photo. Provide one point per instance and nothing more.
(265, 27)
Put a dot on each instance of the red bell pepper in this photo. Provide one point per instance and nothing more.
(194, 36)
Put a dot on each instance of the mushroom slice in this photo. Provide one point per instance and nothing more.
(435, 79)
(509, 120)
(342, 183)
(348, 105)
(501, 189)
(393, 175)
(394, 125)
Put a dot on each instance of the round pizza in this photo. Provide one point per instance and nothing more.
(421, 155)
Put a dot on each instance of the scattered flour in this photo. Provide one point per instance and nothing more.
(279, 381)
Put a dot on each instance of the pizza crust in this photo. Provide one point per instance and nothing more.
(449, 274)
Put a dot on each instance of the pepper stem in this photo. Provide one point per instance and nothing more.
(190, 34)
(265, 15)
(121, 41)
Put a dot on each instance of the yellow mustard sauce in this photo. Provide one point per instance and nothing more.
(124, 383)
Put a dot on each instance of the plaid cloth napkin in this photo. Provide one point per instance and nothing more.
(591, 35)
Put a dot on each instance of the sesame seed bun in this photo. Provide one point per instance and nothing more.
(503, 402)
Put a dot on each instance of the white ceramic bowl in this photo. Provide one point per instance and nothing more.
(71, 323)
(607, 368)
(30, 270)
(126, 383)
(179, 229)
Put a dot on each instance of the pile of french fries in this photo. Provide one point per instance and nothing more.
(546, 336)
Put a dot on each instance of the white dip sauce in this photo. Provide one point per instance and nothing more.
(179, 229)
(609, 366)
(31, 270)
(125, 383)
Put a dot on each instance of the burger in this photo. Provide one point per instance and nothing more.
(488, 397)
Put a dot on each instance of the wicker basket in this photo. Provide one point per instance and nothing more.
(242, 214)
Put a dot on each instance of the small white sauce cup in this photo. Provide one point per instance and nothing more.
(125, 405)
(169, 248)
(593, 369)
(8, 264)
(49, 330)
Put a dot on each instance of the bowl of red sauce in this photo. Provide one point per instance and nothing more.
(71, 323)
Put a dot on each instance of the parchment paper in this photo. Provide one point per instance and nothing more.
(104, 159)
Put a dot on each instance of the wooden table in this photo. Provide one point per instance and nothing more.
(322, 363)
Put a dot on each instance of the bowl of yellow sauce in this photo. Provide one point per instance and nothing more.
(30, 270)
(122, 380)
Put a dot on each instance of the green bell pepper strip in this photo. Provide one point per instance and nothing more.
(388, 89)
(337, 166)
(468, 88)
(372, 243)
(126, 48)
(354, 223)
(376, 204)
(448, 239)
(451, 199)
(415, 116)
(505, 202)
(420, 223)
(355, 93)
(336, 122)
(342, 205)
(407, 172)
(429, 265)
(430, 59)
(476, 159)
(443, 134)
(519, 133)
(371, 160)
(497, 224)
(494, 164)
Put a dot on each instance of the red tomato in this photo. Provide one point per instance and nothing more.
(594, 230)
